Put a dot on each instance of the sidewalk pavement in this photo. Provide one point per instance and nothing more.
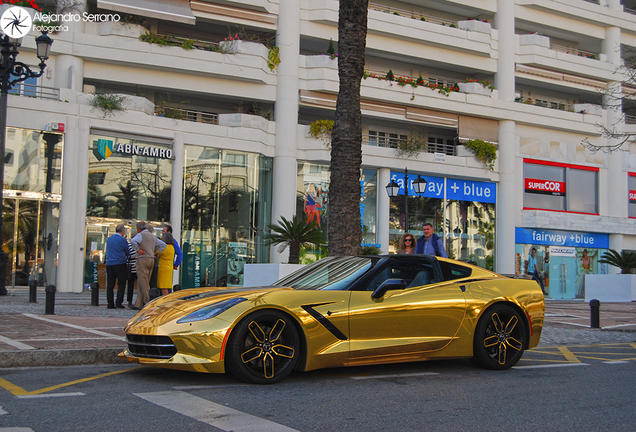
(80, 334)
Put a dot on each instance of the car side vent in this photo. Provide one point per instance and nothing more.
(158, 347)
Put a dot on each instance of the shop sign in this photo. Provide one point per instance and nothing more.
(632, 195)
(561, 238)
(105, 148)
(546, 187)
(562, 251)
(457, 189)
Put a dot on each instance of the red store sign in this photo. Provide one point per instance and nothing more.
(547, 187)
(632, 195)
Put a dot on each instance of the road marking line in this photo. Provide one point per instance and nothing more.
(19, 391)
(617, 325)
(70, 383)
(216, 415)
(616, 362)
(2, 412)
(15, 343)
(34, 396)
(393, 376)
(550, 366)
(569, 356)
(197, 387)
(571, 323)
(86, 329)
(87, 338)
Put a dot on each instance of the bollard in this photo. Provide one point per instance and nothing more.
(177, 287)
(595, 307)
(49, 308)
(95, 294)
(33, 291)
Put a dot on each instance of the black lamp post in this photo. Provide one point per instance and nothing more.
(419, 186)
(11, 73)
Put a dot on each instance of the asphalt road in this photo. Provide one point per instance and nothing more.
(573, 388)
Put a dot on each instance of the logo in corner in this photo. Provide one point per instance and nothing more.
(16, 22)
(103, 150)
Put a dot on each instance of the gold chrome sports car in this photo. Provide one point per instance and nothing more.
(343, 311)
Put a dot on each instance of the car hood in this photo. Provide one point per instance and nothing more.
(180, 303)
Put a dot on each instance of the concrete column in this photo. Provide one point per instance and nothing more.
(286, 116)
(384, 178)
(69, 69)
(72, 245)
(176, 193)
(505, 24)
(505, 84)
(506, 200)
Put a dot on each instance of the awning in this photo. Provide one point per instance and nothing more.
(478, 128)
(169, 10)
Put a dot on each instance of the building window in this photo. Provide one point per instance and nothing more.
(631, 186)
(560, 187)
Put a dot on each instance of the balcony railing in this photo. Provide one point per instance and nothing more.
(411, 14)
(35, 91)
(546, 104)
(187, 115)
(395, 143)
(630, 119)
(630, 11)
(574, 51)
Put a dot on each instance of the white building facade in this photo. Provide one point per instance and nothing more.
(213, 135)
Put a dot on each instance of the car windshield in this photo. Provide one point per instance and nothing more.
(332, 273)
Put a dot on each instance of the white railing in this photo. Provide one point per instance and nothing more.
(574, 51)
(394, 143)
(35, 91)
(186, 114)
(411, 14)
(544, 103)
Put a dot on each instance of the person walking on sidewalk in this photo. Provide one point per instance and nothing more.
(146, 244)
(116, 267)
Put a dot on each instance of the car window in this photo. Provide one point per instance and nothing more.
(329, 274)
(415, 272)
(454, 271)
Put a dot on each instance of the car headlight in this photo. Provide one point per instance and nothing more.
(210, 311)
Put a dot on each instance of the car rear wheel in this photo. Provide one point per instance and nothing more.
(263, 348)
(500, 338)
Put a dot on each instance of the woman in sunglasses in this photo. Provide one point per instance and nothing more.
(407, 244)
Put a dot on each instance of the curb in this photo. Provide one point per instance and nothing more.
(65, 357)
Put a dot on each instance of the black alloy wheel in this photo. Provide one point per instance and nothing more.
(500, 338)
(263, 348)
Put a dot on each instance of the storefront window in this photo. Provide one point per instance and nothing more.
(129, 179)
(561, 187)
(471, 232)
(226, 209)
(368, 206)
(33, 161)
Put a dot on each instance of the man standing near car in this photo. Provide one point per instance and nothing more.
(145, 243)
(430, 243)
(116, 267)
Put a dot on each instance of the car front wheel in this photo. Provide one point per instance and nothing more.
(500, 338)
(263, 348)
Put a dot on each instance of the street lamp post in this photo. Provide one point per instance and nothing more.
(11, 73)
(419, 186)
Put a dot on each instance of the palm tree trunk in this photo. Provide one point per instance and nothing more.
(345, 229)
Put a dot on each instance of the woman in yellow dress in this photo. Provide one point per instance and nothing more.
(166, 264)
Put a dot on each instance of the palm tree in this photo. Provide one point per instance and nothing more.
(294, 233)
(345, 229)
(626, 261)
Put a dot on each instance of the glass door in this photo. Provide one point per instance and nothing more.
(30, 238)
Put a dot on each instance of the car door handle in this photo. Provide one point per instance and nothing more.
(463, 288)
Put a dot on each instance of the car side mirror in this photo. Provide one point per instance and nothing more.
(389, 284)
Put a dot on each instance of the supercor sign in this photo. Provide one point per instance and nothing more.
(547, 187)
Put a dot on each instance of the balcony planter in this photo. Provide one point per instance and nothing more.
(610, 287)
(474, 88)
(242, 47)
(108, 28)
(534, 39)
(475, 25)
(243, 120)
(320, 61)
